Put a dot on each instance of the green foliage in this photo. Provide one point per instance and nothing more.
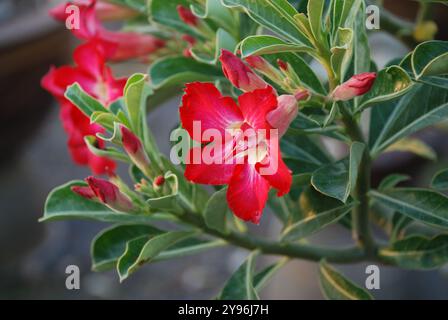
(408, 95)
(336, 287)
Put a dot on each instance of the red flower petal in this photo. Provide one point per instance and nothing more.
(247, 193)
(215, 173)
(203, 102)
(256, 105)
(280, 177)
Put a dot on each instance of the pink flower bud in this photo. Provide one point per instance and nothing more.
(109, 194)
(286, 111)
(187, 16)
(355, 86)
(301, 95)
(240, 75)
(258, 63)
(134, 148)
(84, 192)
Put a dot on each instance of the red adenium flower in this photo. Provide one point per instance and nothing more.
(118, 46)
(96, 79)
(355, 86)
(106, 193)
(248, 181)
(187, 16)
(239, 74)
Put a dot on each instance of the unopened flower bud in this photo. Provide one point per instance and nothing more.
(302, 95)
(355, 86)
(285, 113)
(84, 192)
(239, 74)
(109, 194)
(282, 65)
(258, 63)
(187, 16)
(263, 66)
(134, 148)
(158, 182)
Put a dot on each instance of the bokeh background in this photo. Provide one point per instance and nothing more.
(34, 159)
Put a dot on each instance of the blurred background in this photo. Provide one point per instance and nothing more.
(34, 159)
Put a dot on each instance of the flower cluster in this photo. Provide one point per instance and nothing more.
(92, 73)
(248, 186)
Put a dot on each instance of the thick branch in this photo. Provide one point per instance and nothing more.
(308, 252)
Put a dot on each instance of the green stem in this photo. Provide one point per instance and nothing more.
(360, 215)
(309, 252)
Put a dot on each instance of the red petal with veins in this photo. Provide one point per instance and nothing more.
(247, 193)
(216, 172)
(256, 105)
(281, 178)
(204, 103)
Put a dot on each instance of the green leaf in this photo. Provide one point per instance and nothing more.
(318, 212)
(111, 153)
(62, 203)
(440, 82)
(86, 103)
(342, 52)
(419, 204)
(341, 11)
(338, 179)
(171, 71)
(262, 277)
(430, 59)
(265, 44)
(224, 40)
(240, 285)
(136, 93)
(336, 287)
(440, 180)
(302, 154)
(392, 181)
(305, 73)
(187, 247)
(418, 252)
(215, 211)
(104, 119)
(165, 12)
(276, 15)
(214, 10)
(171, 202)
(415, 146)
(390, 83)
(422, 107)
(110, 244)
(143, 250)
(315, 17)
